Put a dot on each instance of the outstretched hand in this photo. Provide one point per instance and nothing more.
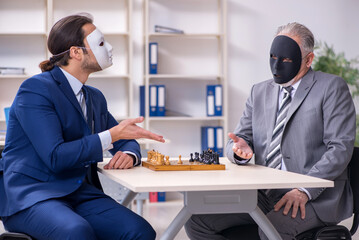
(127, 129)
(240, 147)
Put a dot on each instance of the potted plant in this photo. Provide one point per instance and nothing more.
(328, 61)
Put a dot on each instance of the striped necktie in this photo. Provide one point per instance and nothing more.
(274, 157)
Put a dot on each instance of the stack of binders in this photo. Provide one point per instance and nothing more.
(214, 100)
(157, 100)
(212, 138)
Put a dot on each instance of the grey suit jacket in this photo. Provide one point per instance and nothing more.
(318, 137)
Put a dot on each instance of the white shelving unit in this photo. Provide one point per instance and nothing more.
(181, 58)
(26, 45)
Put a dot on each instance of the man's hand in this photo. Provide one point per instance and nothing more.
(293, 199)
(127, 129)
(240, 147)
(120, 160)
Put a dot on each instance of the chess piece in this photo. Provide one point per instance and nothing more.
(167, 162)
(196, 157)
(179, 160)
(191, 159)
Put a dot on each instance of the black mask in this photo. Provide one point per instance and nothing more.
(285, 59)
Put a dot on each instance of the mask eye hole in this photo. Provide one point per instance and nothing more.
(288, 60)
(273, 57)
(101, 44)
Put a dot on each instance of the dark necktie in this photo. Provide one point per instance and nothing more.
(89, 113)
(274, 157)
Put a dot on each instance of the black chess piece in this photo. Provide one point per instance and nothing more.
(191, 159)
(196, 157)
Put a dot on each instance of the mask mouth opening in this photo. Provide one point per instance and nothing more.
(276, 75)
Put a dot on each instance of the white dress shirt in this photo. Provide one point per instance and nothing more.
(105, 136)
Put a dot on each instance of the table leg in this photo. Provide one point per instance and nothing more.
(139, 204)
(128, 198)
(260, 218)
(176, 225)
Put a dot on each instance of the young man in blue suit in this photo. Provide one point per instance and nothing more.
(57, 132)
(300, 121)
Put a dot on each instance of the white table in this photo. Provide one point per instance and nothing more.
(233, 190)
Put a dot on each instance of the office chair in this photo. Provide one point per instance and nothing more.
(338, 231)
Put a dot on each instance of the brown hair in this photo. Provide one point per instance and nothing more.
(67, 32)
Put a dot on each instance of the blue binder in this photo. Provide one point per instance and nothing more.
(208, 138)
(142, 100)
(153, 100)
(161, 196)
(153, 55)
(214, 100)
(161, 100)
(218, 101)
(218, 136)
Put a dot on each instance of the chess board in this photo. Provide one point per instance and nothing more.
(185, 166)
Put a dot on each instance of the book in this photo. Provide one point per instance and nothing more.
(12, 71)
(161, 196)
(163, 29)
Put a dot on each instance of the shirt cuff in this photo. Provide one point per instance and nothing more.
(105, 138)
(135, 160)
(239, 160)
(306, 192)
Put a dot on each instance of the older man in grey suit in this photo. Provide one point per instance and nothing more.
(300, 121)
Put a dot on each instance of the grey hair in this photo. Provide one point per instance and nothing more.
(301, 31)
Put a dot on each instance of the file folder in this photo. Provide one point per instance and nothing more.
(161, 95)
(210, 100)
(161, 196)
(218, 100)
(208, 138)
(214, 100)
(219, 141)
(142, 101)
(153, 100)
(153, 55)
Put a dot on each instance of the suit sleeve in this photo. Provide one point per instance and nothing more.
(38, 117)
(243, 130)
(123, 145)
(339, 133)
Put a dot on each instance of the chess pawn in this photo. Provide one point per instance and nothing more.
(162, 159)
(191, 159)
(167, 162)
(179, 160)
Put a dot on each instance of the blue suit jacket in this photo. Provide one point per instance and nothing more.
(49, 145)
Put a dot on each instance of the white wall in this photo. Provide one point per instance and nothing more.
(253, 23)
(251, 28)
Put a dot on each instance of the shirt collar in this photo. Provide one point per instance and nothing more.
(75, 84)
(295, 87)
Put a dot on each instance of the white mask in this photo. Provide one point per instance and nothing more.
(100, 48)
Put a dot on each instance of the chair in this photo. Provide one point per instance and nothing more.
(338, 231)
(14, 236)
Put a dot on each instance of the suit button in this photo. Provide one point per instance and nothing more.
(79, 181)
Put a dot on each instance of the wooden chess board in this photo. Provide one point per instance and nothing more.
(185, 166)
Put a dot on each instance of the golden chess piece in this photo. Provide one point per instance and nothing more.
(179, 160)
(167, 162)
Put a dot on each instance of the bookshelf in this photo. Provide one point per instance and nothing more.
(26, 40)
(181, 61)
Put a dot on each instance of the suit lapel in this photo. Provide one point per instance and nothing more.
(65, 87)
(303, 89)
(270, 108)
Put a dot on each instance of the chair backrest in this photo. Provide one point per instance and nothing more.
(354, 183)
